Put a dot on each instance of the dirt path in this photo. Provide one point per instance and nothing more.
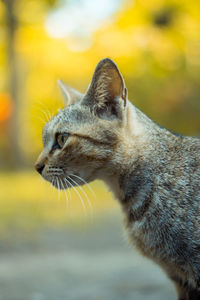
(87, 263)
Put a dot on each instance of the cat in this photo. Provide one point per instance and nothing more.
(154, 173)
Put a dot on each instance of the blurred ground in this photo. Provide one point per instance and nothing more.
(87, 262)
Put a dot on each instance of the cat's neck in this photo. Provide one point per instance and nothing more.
(135, 157)
(132, 152)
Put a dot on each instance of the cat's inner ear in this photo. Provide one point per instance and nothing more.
(107, 93)
(69, 94)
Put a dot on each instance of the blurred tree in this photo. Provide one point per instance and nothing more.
(12, 69)
(12, 21)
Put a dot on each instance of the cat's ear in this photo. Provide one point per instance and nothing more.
(70, 95)
(107, 94)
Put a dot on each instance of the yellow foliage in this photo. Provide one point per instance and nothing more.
(151, 40)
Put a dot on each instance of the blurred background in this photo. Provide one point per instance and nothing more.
(49, 247)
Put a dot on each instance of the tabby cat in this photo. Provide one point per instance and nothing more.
(154, 173)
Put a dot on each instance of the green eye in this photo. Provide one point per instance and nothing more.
(61, 139)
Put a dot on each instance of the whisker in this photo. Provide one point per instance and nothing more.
(58, 186)
(43, 121)
(67, 200)
(85, 182)
(82, 202)
(68, 190)
(47, 117)
(54, 182)
(88, 200)
(45, 114)
(49, 113)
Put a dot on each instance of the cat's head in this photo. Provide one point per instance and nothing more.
(80, 141)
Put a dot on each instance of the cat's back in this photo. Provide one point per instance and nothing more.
(178, 153)
(179, 170)
(191, 156)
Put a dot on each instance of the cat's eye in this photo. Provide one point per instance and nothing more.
(61, 139)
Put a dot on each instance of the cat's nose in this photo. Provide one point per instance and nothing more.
(39, 167)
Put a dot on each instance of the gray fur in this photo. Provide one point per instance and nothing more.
(155, 174)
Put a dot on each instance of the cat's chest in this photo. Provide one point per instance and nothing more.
(144, 235)
(158, 239)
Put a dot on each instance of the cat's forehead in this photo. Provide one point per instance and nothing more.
(68, 118)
